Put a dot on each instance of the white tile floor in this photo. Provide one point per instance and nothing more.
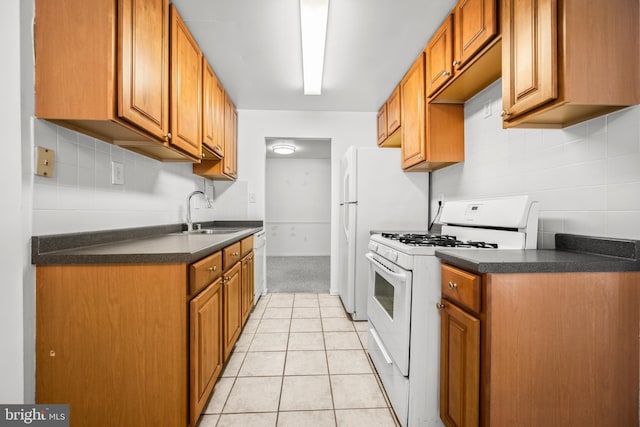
(300, 361)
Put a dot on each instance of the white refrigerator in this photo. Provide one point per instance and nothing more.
(376, 195)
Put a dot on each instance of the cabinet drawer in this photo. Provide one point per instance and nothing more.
(230, 255)
(246, 245)
(462, 287)
(205, 271)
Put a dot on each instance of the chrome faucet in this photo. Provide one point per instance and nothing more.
(189, 223)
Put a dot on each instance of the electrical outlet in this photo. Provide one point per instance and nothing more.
(117, 173)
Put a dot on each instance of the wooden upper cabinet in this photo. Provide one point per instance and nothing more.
(209, 120)
(102, 68)
(225, 169)
(390, 120)
(212, 114)
(475, 24)
(568, 61)
(530, 43)
(439, 57)
(230, 161)
(382, 124)
(144, 72)
(393, 111)
(186, 88)
(432, 134)
(412, 98)
(219, 99)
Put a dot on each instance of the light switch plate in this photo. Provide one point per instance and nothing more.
(45, 162)
(117, 173)
(486, 110)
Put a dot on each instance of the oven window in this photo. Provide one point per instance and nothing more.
(383, 293)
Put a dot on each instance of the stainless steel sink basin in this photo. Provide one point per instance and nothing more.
(212, 231)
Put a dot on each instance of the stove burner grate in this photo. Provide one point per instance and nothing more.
(441, 240)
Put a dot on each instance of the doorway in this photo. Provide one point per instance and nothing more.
(298, 214)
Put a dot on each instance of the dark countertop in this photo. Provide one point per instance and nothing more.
(158, 244)
(572, 254)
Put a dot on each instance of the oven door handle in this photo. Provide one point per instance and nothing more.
(400, 276)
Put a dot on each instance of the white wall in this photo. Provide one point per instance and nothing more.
(343, 128)
(298, 206)
(12, 253)
(80, 196)
(586, 177)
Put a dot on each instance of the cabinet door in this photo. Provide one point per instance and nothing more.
(232, 308)
(143, 77)
(186, 88)
(529, 55)
(382, 124)
(412, 100)
(205, 311)
(230, 139)
(209, 119)
(393, 111)
(439, 53)
(219, 103)
(247, 286)
(459, 367)
(475, 24)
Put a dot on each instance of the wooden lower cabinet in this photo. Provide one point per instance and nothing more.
(459, 367)
(112, 341)
(205, 315)
(247, 277)
(545, 349)
(232, 294)
(138, 344)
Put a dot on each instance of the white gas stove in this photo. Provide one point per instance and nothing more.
(404, 288)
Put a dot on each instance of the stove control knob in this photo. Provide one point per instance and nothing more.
(393, 255)
(373, 246)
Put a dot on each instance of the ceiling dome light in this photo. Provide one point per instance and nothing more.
(283, 149)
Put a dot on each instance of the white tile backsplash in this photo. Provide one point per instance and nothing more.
(586, 177)
(80, 196)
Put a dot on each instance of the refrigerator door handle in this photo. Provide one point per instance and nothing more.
(348, 203)
(344, 223)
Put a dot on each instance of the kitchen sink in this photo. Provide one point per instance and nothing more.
(213, 231)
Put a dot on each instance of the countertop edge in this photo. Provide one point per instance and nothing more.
(64, 257)
(501, 267)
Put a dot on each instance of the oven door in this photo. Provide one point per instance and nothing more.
(389, 307)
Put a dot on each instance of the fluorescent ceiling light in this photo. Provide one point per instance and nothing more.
(283, 149)
(313, 23)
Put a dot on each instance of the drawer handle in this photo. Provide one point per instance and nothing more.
(453, 285)
(456, 63)
(440, 306)
(234, 253)
(446, 74)
(214, 268)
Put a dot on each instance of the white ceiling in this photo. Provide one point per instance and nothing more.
(254, 48)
